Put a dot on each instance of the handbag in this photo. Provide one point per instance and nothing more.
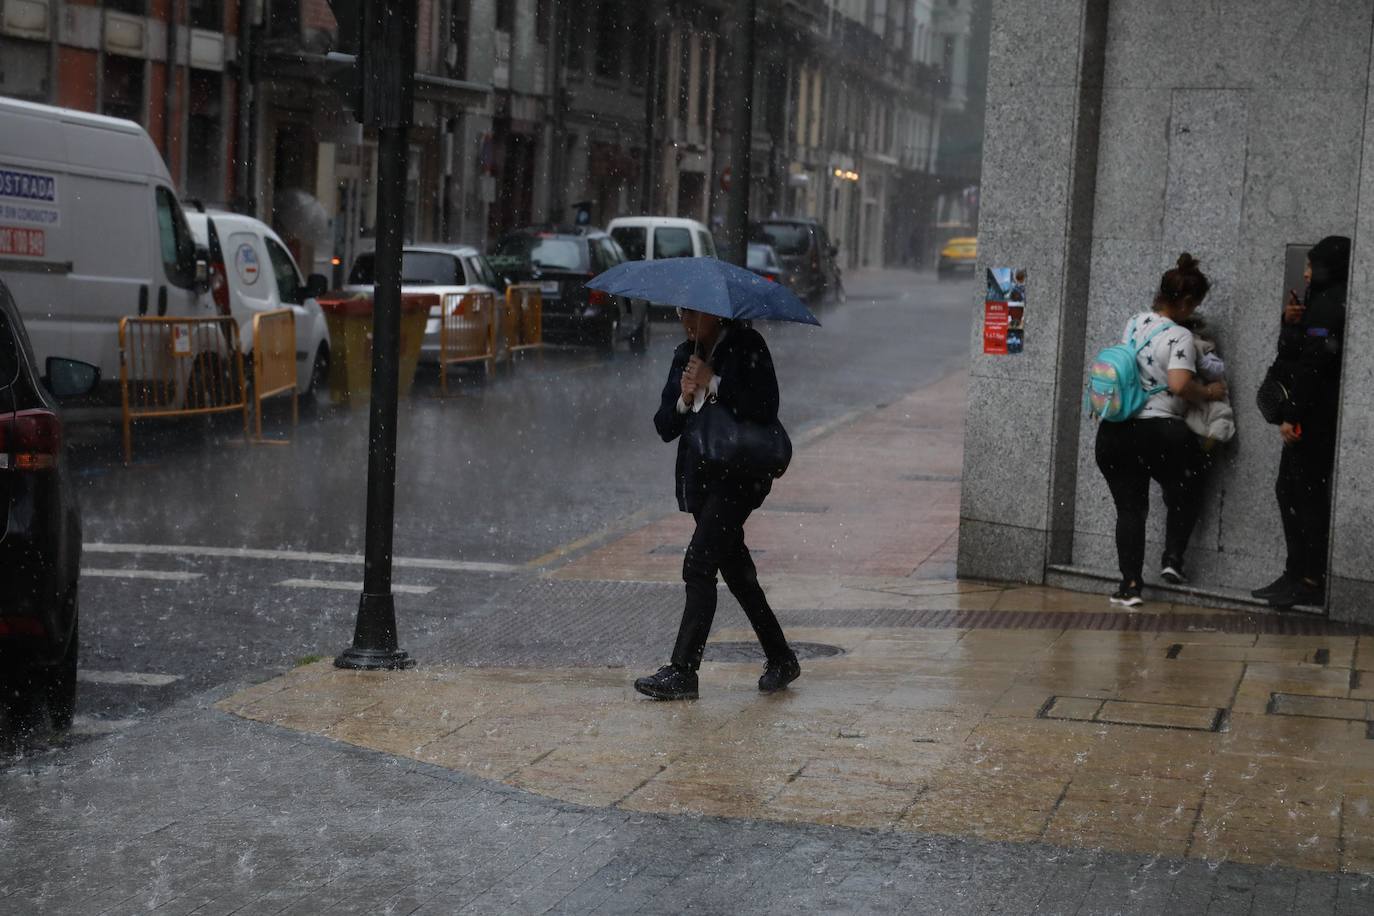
(1273, 394)
(726, 443)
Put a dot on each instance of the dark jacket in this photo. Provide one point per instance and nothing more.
(748, 386)
(1310, 351)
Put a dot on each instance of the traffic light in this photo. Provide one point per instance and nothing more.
(373, 64)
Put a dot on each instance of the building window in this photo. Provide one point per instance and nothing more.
(206, 14)
(505, 15)
(132, 7)
(638, 28)
(122, 93)
(456, 55)
(205, 137)
(542, 15)
(24, 70)
(609, 20)
(575, 25)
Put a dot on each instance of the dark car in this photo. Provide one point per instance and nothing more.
(764, 261)
(807, 255)
(40, 528)
(560, 260)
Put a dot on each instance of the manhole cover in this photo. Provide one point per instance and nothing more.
(753, 652)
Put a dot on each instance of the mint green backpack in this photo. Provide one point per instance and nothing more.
(1114, 390)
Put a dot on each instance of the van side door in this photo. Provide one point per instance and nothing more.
(290, 294)
(175, 292)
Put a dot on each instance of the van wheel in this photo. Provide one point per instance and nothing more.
(608, 337)
(60, 687)
(319, 373)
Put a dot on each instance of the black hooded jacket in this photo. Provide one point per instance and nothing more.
(1310, 351)
(748, 386)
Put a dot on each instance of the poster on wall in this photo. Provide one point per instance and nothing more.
(1004, 311)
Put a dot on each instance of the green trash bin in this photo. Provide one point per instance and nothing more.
(349, 316)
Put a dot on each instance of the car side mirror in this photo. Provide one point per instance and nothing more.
(70, 378)
(316, 285)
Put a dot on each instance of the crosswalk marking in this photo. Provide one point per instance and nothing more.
(353, 586)
(251, 553)
(133, 678)
(158, 574)
(91, 725)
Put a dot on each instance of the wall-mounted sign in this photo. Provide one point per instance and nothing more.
(1004, 311)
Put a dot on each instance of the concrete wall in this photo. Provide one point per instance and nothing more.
(1229, 129)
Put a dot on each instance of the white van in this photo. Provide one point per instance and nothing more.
(649, 238)
(90, 231)
(252, 271)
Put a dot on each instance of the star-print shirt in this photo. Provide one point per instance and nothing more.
(1172, 348)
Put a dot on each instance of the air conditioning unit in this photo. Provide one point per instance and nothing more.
(24, 18)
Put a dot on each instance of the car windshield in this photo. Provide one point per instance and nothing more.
(632, 240)
(547, 252)
(788, 238)
(760, 256)
(418, 268)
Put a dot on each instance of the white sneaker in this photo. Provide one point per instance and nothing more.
(1173, 574)
(1126, 596)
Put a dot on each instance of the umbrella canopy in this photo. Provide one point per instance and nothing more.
(705, 285)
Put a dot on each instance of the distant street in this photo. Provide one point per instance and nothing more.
(506, 475)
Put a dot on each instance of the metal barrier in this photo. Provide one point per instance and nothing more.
(179, 367)
(274, 361)
(524, 318)
(467, 332)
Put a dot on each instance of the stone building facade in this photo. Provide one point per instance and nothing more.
(1120, 133)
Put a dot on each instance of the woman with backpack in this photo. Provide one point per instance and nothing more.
(1152, 441)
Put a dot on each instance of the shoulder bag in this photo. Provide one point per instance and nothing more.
(1274, 392)
(726, 443)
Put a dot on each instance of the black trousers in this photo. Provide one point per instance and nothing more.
(1304, 493)
(718, 546)
(1130, 455)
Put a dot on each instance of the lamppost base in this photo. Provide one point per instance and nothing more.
(357, 659)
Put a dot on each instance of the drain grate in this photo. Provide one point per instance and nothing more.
(753, 652)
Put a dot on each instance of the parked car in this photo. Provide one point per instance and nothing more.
(433, 268)
(561, 259)
(807, 254)
(93, 231)
(239, 248)
(40, 528)
(648, 238)
(763, 260)
(958, 256)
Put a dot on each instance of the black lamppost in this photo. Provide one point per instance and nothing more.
(384, 70)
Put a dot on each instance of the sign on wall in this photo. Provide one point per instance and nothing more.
(1004, 311)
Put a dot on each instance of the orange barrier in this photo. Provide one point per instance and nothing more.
(274, 361)
(179, 367)
(467, 332)
(524, 318)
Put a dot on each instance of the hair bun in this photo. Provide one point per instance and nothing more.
(1187, 263)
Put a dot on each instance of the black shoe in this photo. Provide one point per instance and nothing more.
(1279, 586)
(1127, 596)
(670, 683)
(1171, 571)
(1298, 592)
(778, 675)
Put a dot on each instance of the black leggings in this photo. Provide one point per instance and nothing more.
(1130, 455)
(718, 545)
(1303, 489)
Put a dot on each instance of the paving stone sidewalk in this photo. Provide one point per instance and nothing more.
(199, 812)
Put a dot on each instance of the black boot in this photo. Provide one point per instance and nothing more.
(778, 675)
(1279, 586)
(672, 682)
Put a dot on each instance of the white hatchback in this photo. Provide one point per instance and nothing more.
(251, 271)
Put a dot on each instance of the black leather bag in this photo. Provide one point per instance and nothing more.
(1273, 394)
(726, 443)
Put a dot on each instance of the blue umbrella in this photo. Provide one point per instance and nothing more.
(705, 285)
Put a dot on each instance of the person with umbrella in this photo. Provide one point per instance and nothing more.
(723, 363)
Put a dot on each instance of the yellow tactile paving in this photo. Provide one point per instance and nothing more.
(925, 730)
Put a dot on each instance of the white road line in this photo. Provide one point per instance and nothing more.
(353, 586)
(90, 725)
(252, 553)
(161, 575)
(134, 678)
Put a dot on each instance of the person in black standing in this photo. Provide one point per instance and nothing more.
(1309, 357)
(727, 361)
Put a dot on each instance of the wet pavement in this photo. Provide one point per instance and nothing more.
(952, 747)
